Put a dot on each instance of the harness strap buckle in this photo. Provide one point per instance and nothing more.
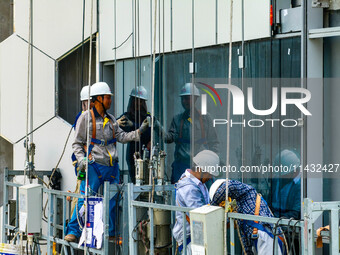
(102, 143)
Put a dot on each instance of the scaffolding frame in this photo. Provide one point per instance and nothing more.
(311, 212)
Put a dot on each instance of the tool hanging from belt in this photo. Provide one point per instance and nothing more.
(257, 212)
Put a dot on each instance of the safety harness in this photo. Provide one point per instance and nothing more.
(94, 141)
(101, 142)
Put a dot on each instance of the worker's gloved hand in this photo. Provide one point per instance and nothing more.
(120, 122)
(124, 122)
(158, 127)
(82, 164)
(157, 124)
(144, 126)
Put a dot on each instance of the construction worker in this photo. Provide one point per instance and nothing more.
(84, 96)
(132, 120)
(256, 237)
(102, 162)
(192, 192)
(287, 185)
(180, 132)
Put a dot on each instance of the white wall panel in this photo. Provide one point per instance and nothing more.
(57, 25)
(205, 20)
(48, 151)
(142, 26)
(106, 35)
(13, 82)
(223, 27)
(123, 30)
(177, 24)
(163, 27)
(43, 88)
(167, 25)
(143, 30)
(107, 27)
(257, 19)
(182, 25)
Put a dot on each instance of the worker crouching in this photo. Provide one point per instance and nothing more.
(256, 237)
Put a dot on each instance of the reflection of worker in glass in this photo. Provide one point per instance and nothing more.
(287, 186)
(180, 132)
(191, 191)
(258, 235)
(132, 120)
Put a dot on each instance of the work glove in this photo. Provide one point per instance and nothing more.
(144, 126)
(124, 122)
(82, 164)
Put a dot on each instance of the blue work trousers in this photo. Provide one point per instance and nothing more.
(97, 174)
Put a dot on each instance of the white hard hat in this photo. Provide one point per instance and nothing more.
(187, 90)
(214, 187)
(208, 161)
(139, 92)
(100, 88)
(84, 93)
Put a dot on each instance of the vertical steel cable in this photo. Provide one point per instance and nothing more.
(163, 78)
(88, 131)
(242, 85)
(28, 87)
(153, 90)
(192, 90)
(82, 48)
(228, 129)
(31, 71)
(134, 55)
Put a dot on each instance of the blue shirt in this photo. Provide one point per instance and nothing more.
(190, 192)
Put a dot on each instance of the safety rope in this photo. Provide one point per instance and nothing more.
(228, 127)
(239, 237)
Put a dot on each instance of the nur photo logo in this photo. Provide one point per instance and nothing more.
(294, 96)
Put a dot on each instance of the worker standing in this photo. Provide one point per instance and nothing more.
(180, 132)
(192, 192)
(103, 156)
(132, 120)
(84, 96)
